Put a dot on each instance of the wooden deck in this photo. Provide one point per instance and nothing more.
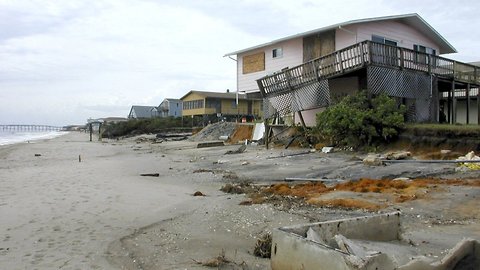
(359, 56)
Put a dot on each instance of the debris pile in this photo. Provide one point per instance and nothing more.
(470, 156)
(214, 131)
(263, 247)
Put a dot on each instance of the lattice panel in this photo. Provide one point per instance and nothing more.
(399, 83)
(415, 87)
(307, 97)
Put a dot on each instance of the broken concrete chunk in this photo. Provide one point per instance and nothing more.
(363, 243)
(398, 155)
(469, 156)
(373, 160)
(312, 235)
(327, 149)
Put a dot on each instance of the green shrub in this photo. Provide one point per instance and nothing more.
(359, 121)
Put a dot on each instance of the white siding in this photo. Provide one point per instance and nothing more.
(292, 56)
(462, 111)
(404, 35)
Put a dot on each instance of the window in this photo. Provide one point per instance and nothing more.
(234, 104)
(422, 56)
(384, 40)
(193, 104)
(277, 53)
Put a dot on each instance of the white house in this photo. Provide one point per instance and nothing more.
(394, 54)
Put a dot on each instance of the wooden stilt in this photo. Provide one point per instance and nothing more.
(468, 103)
(454, 104)
(478, 106)
(449, 109)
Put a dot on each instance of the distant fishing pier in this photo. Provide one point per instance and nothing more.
(31, 128)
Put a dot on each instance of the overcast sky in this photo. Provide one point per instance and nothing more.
(62, 62)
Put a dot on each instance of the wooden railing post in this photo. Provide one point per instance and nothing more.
(454, 67)
(362, 54)
(339, 55)
(402, 60)
(369, 52)
(429, 58)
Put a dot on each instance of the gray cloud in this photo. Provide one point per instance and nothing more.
(66, 61)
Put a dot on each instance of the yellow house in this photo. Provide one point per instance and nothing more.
(213, 106)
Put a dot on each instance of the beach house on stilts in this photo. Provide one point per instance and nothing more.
(300, 75)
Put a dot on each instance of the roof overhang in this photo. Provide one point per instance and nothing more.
(414, 20)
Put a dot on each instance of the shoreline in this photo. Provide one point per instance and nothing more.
(40, 136)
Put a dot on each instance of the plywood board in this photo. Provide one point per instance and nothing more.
(254, 62)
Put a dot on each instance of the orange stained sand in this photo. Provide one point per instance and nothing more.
(347, 203)
(403, 190)
(306, 190)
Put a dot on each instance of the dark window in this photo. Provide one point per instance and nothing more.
(422, 56)
(384, 40)
(277, 53)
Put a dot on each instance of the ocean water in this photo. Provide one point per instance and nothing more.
(12, 137)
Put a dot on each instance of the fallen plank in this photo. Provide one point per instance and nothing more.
(210, 144)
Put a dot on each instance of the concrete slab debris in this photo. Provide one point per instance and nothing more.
(364, 243)
(373, 160)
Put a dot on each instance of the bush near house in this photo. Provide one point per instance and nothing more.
(359, 121)
(143, 126)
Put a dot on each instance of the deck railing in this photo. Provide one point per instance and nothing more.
(358, 56)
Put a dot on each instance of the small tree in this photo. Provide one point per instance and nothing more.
(357, 120)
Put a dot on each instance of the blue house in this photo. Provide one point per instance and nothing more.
(170, 107)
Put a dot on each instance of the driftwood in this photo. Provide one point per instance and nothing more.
(150, 174)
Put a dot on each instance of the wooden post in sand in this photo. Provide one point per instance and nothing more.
(91, 130)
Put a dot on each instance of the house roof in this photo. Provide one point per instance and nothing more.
(414, 20)
(224, 95)
(142, 111)
(172, 100)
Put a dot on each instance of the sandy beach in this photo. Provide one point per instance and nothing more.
(59, 213)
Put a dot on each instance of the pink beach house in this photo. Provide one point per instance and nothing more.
(302, 74)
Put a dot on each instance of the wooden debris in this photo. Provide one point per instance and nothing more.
(150, 174)
(263, 247)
